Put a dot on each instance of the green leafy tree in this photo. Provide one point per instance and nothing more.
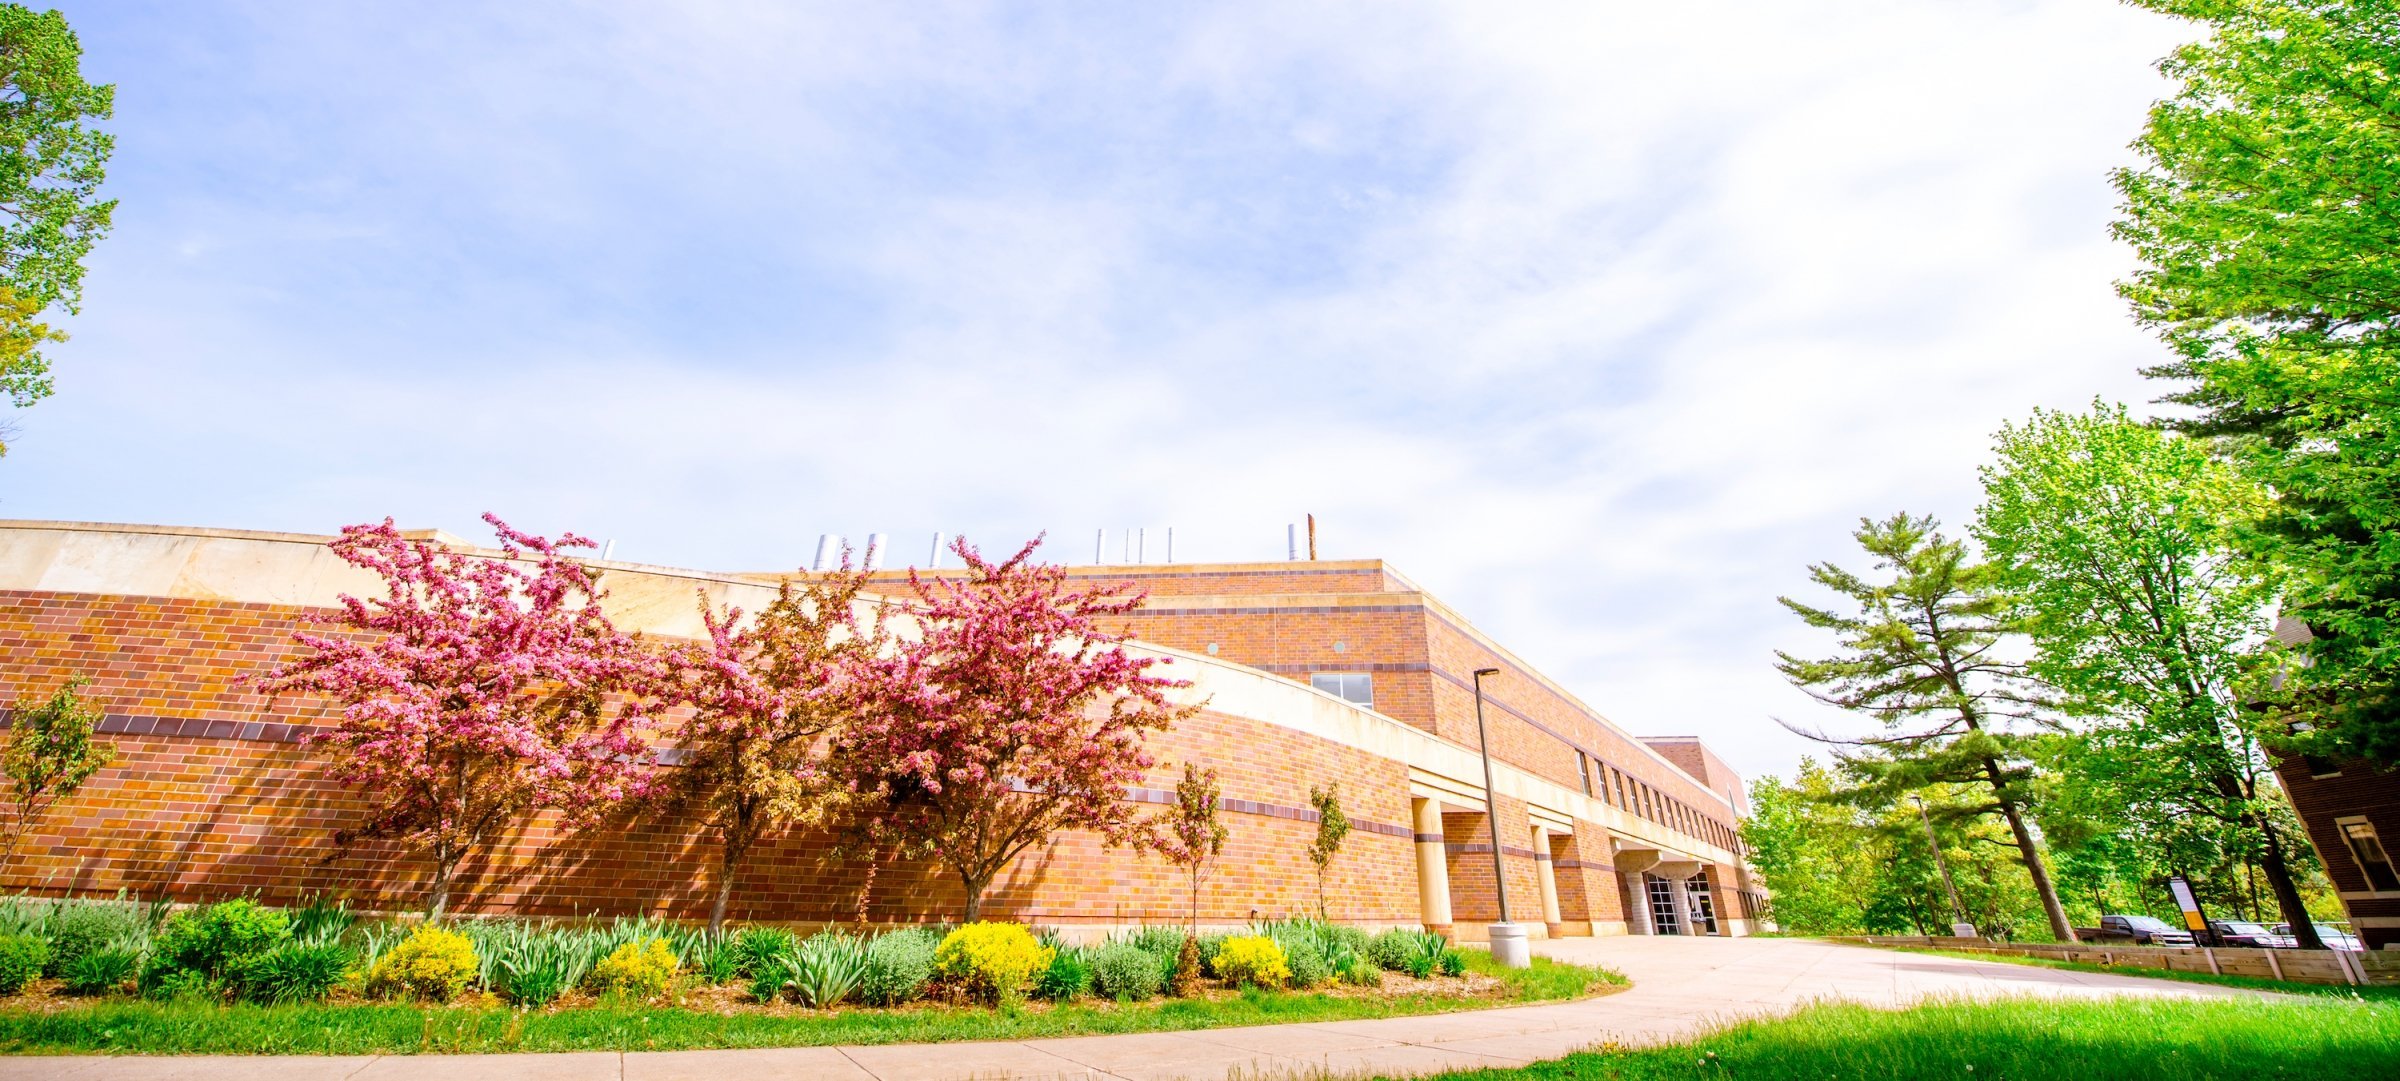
(1192, 837)
(51, 167)
(2112, 537)
(1807, 846)
(50, 753)
(1920, 653)
(1333, 827)
(2264, 216)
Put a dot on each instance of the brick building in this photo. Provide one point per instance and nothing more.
(2350, 807)
(1312, 673)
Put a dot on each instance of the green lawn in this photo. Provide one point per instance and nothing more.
(2379, 993)
(2033, 1039)
(136, 1027)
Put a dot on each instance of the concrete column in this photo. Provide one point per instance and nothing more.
(1638, 920)
(1546, 876)
(1683, 906)
(1433, 866)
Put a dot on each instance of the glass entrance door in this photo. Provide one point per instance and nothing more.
(1662, 906)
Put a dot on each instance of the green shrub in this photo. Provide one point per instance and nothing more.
(294, 972)
(1400, 949)
(899, 965)
(768, 987)
(1253, 959)
(170, 984)
(101, 971)
(433, 964)
(1451, 963)
(826, 968)
(21, 959)
(1126, 971)
(1069, 976)
(990, 960)
(1360, 972)
(1306, 960)
(216, 941)
(77, 928)
(640, 969)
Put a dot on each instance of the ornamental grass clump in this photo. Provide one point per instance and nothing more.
(433, 964)
(639, 969)
(1253, 961)
(991, 961)
(101, 971)
(77, 928)
(294, 972)
(826, 969)
(1126, 972)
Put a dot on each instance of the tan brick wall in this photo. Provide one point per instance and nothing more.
(227, 804)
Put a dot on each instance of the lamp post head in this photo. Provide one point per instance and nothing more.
(1487, 671)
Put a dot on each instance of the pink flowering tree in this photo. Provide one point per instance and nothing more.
(1012, 714)
(764, 693)
(474, 692)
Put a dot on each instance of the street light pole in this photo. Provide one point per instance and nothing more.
(1508, 940)
(1957, 910)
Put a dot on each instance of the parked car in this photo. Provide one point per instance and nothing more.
(2254, 935)
(2141, 930)
(2333, 937)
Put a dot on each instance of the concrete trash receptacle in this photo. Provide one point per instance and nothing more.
(1509, 946)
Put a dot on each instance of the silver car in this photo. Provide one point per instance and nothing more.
(2246, 933)
(2333, 937)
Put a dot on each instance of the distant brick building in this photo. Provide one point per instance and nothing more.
(1313, 673)
(2352, 810)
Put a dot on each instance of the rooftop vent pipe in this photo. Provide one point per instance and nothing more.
(827, 545)
(1100, 545)
(935, 558)
(874, 557)
(1291, 541)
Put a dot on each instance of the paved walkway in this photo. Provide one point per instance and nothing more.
(1680, 985)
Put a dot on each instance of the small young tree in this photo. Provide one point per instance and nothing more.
(764, 694)
(1192, 837)
(1012, 714)
(475, 692)
(1921, 655)
(1332, 828)
(50, 753)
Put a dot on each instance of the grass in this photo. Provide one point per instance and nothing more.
(2375, 993)
(121, 1026)
(2048, 1040)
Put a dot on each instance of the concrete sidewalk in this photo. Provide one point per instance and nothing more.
(1680, 985)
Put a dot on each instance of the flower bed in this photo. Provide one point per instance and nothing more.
(239, 977)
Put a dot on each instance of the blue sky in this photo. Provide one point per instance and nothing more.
(1600, 324)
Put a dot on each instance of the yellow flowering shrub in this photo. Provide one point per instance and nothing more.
(641, 969)
(991, 960)
(433, 964)
(1253, 959)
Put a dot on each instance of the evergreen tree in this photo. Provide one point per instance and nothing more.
(1921, 655)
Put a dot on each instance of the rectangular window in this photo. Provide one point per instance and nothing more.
(2367, 849)
(1356, 687)
(1583, 769)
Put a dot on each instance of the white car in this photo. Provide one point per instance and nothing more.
(2334, 937)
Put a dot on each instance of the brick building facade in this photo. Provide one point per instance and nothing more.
(2352, 810)
(1313, 673)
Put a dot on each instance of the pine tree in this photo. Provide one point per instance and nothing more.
(1921, 655)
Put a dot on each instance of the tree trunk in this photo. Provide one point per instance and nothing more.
(974, 887)
(716, 908)
(2287, 892)
(438, 898)
(2034, 867)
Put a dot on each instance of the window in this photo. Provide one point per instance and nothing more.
(2367, 849)
(1662, 906)
(1583, 768)
(1356, 687)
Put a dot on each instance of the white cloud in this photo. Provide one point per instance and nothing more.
(1601, 324)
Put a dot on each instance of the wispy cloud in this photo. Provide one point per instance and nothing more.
(1601, 324)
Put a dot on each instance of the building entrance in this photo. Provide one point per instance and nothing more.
(1663, 918)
